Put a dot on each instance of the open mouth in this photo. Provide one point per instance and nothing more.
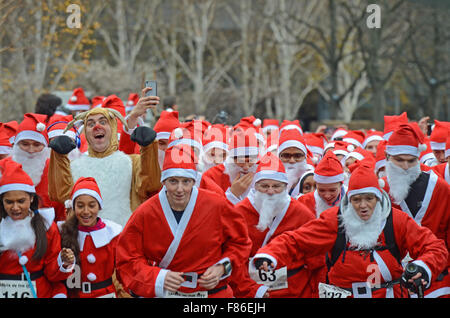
(99, 136)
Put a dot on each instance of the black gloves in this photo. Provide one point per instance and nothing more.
(62, 144)
(143, 136)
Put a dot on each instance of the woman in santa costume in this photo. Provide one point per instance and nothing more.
(269, 212)
(93, 241)
(369, 262)
(32, 263)
(183, 242)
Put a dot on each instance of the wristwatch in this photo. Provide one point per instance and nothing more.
(227, 267)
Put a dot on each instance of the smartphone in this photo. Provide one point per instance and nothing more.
(153, 85)
(429, 129)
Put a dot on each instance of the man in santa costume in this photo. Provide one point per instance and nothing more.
(292, 150)
(329, 177)
(215, 146)
(31, 150)
(270, 211)
(167, 122)
(366, 239)
(7, 133)
(161, 251)
(422, 195)
(235, 175)
(443, 169)
(124, 180)
(30, 245)
(437, 140)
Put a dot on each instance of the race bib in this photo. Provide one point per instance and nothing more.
(330, 291)
(178, 294)
(16, 289)
(274, 279)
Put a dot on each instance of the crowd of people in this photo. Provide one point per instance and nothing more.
(95, 203)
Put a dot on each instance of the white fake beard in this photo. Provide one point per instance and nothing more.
(205, 163)
(294, 171)
(400, 180)
(33, 164)
(363, 234)
(269, 206)
(17, 235)
(161, 155)
(321, 206)
(234, 171)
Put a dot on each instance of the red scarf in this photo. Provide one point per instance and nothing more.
(100, 225)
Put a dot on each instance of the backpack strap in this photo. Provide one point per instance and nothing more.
(339, 245)
(389, 237)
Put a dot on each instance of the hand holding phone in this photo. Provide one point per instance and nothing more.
(154, 88)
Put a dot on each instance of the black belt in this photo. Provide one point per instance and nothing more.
(33, 276)
(292, 272)
(381, 286)
(216, 290)
(88, 287)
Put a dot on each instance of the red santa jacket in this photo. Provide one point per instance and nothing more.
(210, 232)
(97, 260)
(301, 282)
(47, 273)
(442, 170)
(319, 237)
(218, 175)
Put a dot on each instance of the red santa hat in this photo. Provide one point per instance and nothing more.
(439, 135)
(32, 127)
(427, 154)
(97, 101)
(86, 186)
(360, 154)
(292, 138)
(407, 139)
(372, 135)
(190, 133)
(167, 122)
(253, 125)
(270, 167)
(78, 101)
(363, 180)
(355, 137)
(272, 141)
(13, 178)
(316, 143)
(392, 122)
(243, 143)
(57, 124)
(179, 161)
(288, 124)
(340, 132)
(132, 101)
(216, 136)
(114, 102)
(380, 157)
(340, 147)
(270, 124)
(329, 169)
(7, 135)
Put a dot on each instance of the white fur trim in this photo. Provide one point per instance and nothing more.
(73, 99)
(328, 179)
(292, 143)
(402, 150)
(355, 155)
(60, 295)
(244, 151)
(91, 258)
(350, 148)
(30, 134)
(72, 107)
(91, 277)
(271, 175)
(68, 204)
(5, 150)
(370, 139)
(90, 192)
(257, 122)
(159, 283)
(60, 132)
(40, 127)
(447, 153)
(215, 144)
(264, 255)
(380, 164)
(178, 172)
(101, 237)
(373, 190)
(178, 132)
(17, 187)
(381, 183)
(423, 147)
(315, 149)
(186, 141)
(289, 127)
(386, 136)
(427, 269)
(353, 141)
(163, 135)
(23, 260)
